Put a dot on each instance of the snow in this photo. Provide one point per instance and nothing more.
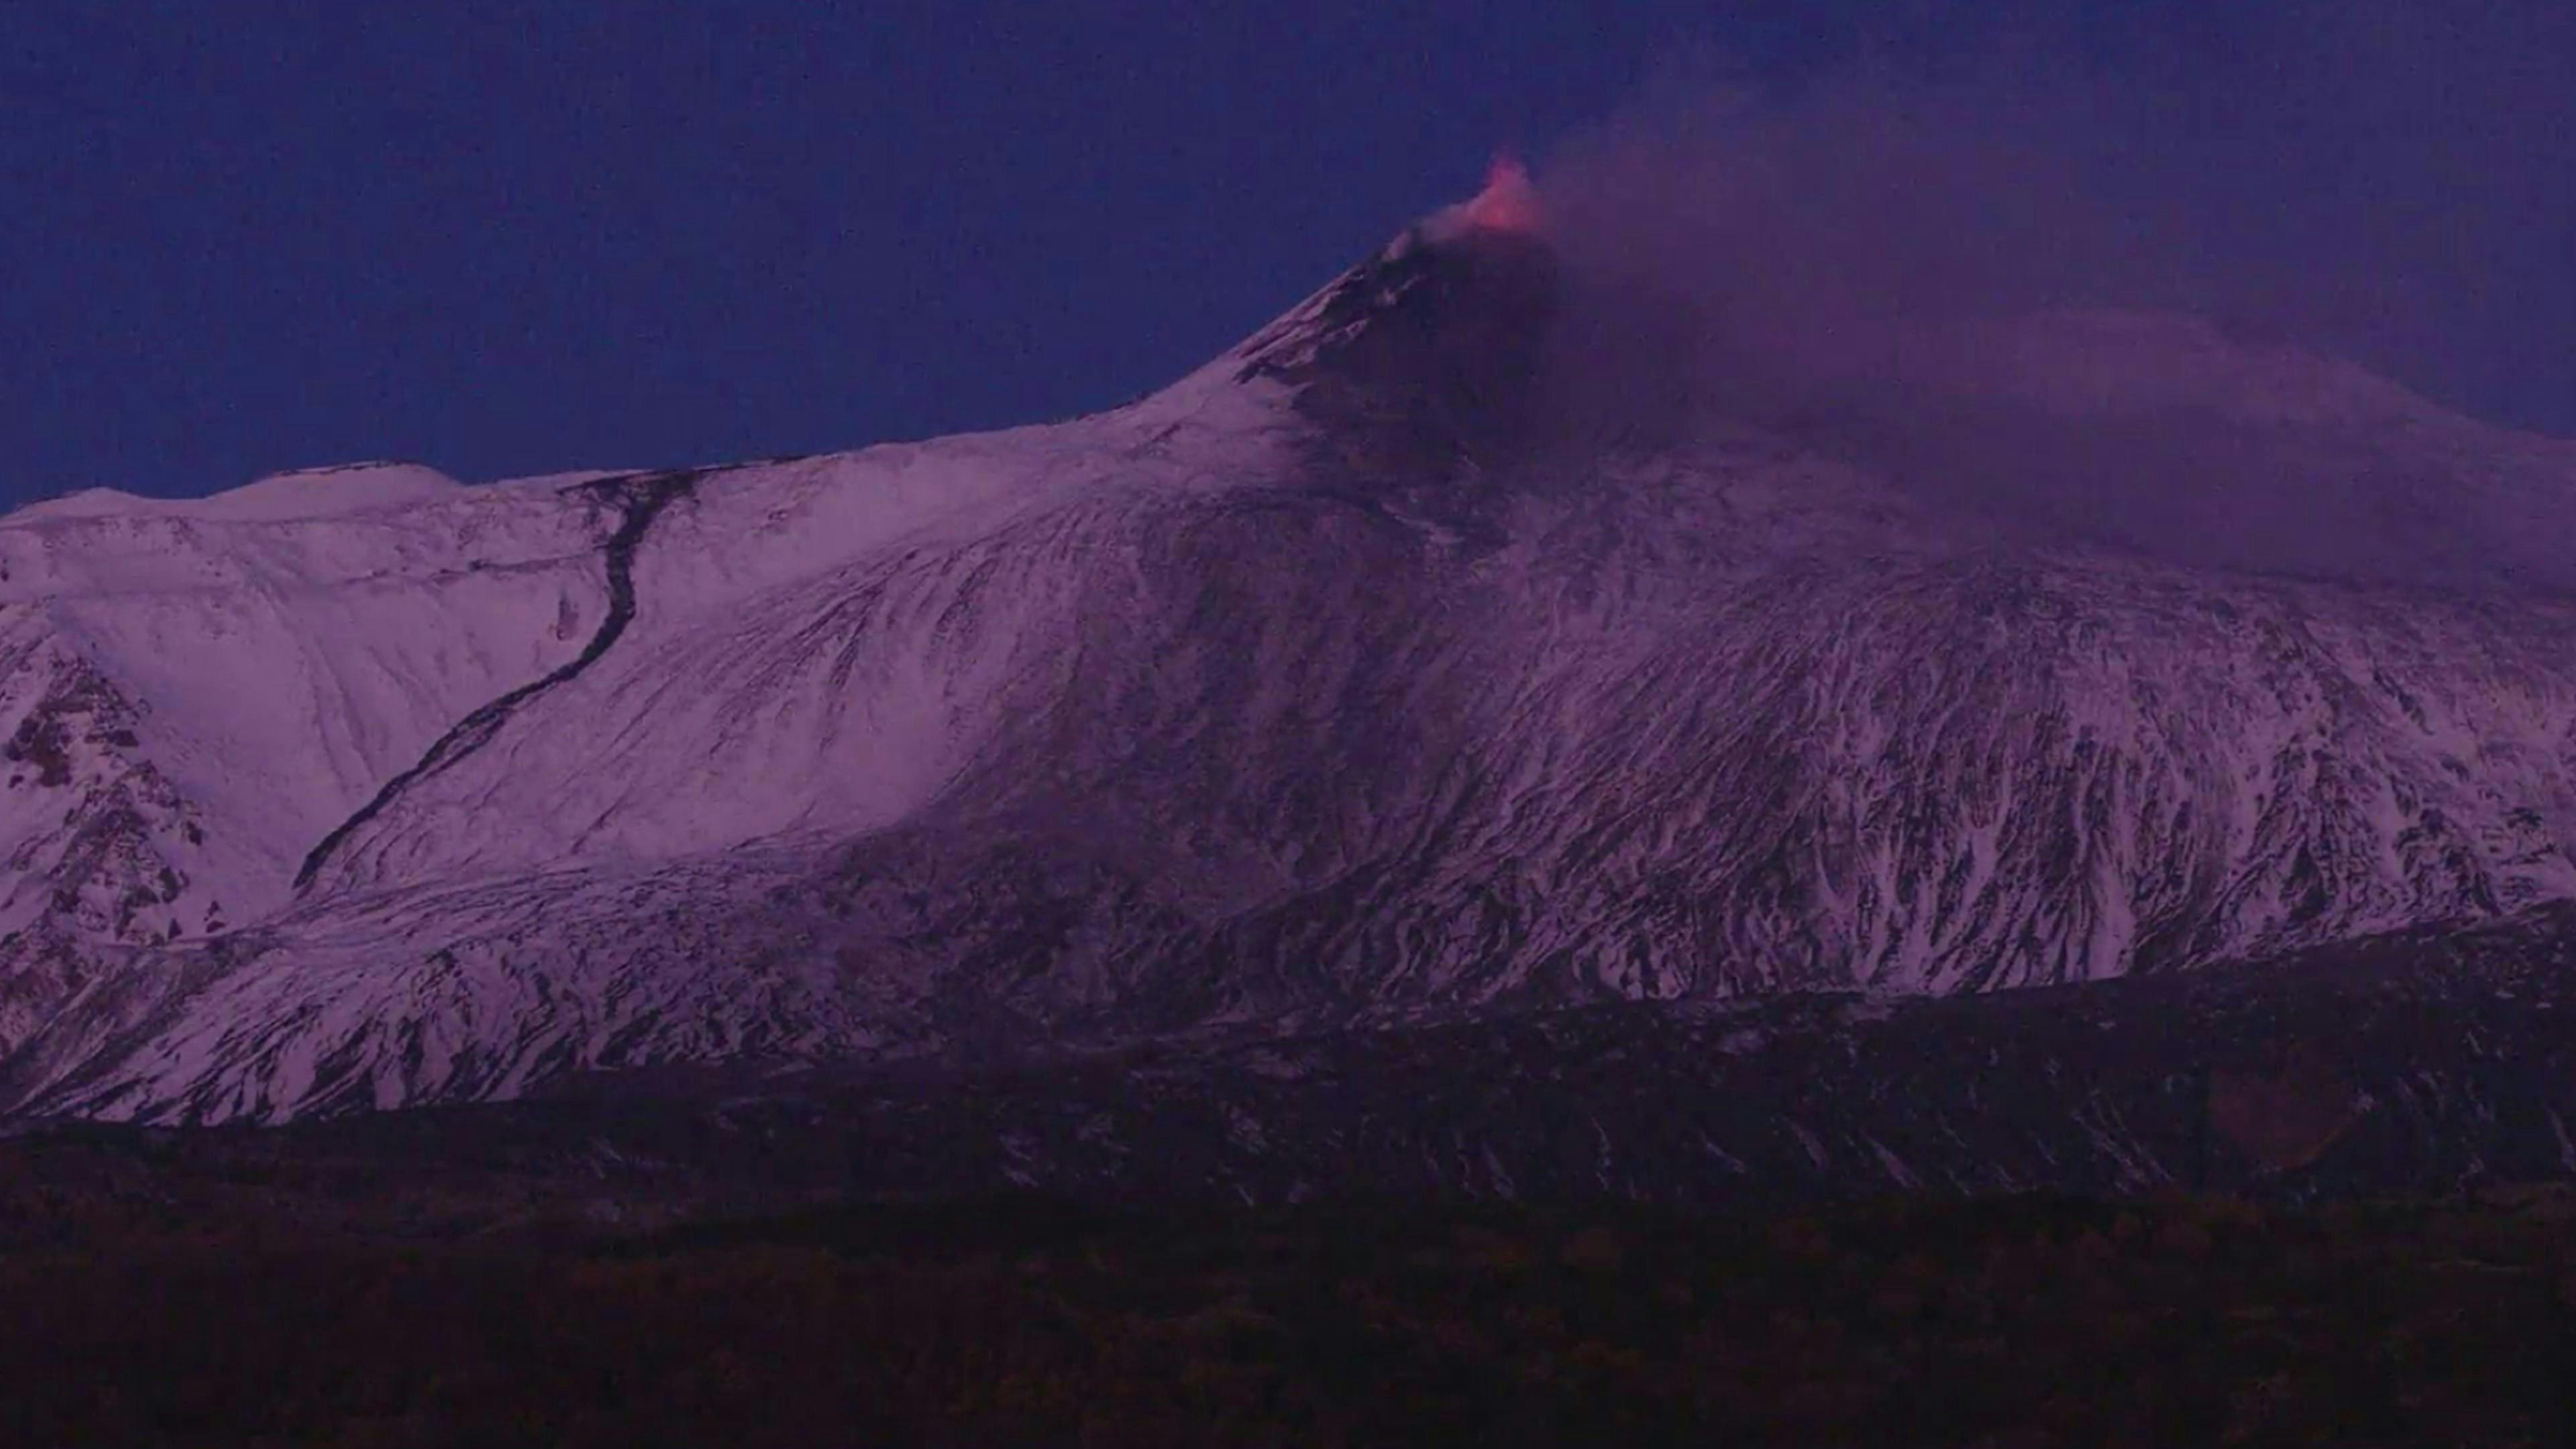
(1045, 720)
(283, 661)
(305, 493)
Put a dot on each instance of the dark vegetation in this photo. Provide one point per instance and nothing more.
(2005, 1322)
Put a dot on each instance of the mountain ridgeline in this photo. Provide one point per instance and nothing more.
(1439, 656)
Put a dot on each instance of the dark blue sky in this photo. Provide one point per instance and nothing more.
(513, 238)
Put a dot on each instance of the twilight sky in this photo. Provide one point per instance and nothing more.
(509, 239)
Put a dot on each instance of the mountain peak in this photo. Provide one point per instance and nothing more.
(1427, 354)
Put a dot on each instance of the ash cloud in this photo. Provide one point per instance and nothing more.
(1791, 245)
(2390, 179)
(2393, 183)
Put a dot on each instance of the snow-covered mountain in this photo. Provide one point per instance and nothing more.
(1372, 673)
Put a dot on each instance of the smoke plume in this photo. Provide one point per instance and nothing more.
(1857, 253)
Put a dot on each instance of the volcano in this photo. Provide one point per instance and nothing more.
(1340, 688)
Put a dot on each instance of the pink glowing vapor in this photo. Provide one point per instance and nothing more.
(1508, 202)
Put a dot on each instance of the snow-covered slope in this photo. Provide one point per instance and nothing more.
(1331, 684)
